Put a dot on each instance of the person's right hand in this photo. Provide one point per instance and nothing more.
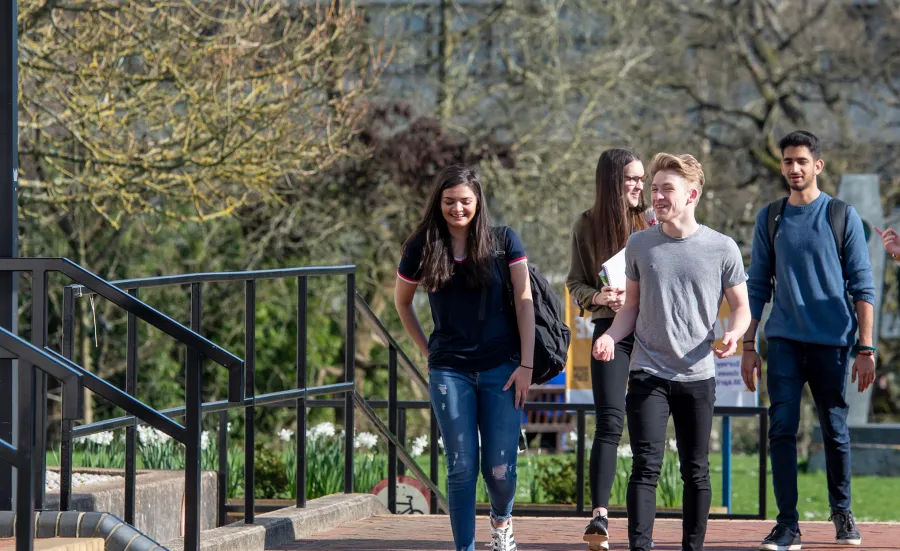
(891, 241)
(608, 295)
(751, 369)
(604, 348)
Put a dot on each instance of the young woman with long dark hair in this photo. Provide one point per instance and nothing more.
(480, 354)
(598, 234)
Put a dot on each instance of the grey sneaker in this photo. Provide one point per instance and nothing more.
(502, 538)
(845, 528)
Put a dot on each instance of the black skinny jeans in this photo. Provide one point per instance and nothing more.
(608, 381)
(648, 404)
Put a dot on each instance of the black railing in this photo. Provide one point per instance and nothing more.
(298, 398)
(22, 455)
(33, 398)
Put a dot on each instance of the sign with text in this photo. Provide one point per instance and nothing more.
(730, 387)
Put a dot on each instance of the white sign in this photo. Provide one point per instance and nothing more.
(412, 495)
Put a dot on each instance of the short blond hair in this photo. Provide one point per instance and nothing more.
(686, 166)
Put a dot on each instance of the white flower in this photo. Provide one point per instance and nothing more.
(673, 446)
(150, 436)
(419, 445)
(573, 436)
(320, 430)
(204, 440)
(286, 434)
(366, 440)
(228, 426)
(441, 442)
(161, 436)
(81, 440)
(623, 451)
(101, 438)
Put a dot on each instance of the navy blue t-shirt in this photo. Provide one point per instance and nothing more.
(459, 341)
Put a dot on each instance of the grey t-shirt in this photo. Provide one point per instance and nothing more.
(682, 282)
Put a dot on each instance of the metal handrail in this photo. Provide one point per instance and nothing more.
(390, 342)
(271, 398)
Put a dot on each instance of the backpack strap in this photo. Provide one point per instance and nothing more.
(774, 214)
(499, 235)
(837, 217)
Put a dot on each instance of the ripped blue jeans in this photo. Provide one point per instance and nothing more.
(466, 404)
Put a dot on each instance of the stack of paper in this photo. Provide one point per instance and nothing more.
(613, 272)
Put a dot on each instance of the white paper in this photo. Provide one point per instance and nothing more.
(614, 270)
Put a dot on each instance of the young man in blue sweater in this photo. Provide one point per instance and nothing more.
(810, 333)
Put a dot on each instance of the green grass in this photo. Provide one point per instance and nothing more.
(874, 498)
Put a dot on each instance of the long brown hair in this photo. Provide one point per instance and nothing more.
(612, 219)
(437, 262)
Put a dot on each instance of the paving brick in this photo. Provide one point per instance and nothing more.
(432, 533)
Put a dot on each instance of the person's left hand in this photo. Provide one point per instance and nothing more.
(863, 371)
(521, 378)
(890, 240)
(617, 301)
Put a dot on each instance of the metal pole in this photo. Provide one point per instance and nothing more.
(192, 411)
(249, 392)
(9, 232)
(302, 290)
(39, 339)
(433, 445)
(24, 490)
(222, 472)
(349, 358)
(131, 375)
(65, 446)
(392, 427)
(726, 462)
(579, 465)
(763, 461)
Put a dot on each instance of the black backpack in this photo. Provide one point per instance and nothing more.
(837, 218)
(551, 335)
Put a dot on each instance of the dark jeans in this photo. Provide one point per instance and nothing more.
(791, 365)
(608, 380)
(648, 404)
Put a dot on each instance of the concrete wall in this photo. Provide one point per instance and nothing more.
(158, 502)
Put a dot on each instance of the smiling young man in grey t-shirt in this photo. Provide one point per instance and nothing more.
(677, 273)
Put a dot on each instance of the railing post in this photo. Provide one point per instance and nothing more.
(249, 392)
(24, 472)
(349, 360)
(435, 435)
(65, 446)
(193, 402)
(401, 436)
(39, 339)
(763, 460)
(222, 471)
(726, 462)
(579, 465)
(392, 427)
(300, 474)
(131, 375)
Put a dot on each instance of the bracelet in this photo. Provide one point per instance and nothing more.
(865, 353)
(525, 366)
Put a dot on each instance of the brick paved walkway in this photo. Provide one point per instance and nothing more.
(427, 533)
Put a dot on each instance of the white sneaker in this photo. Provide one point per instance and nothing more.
(502, 538)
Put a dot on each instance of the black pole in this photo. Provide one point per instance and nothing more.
(65, 445)
(249, 392)
(24, 490)
(392, 427)
(222, 472)
(192, 411)
(131, 375)
(302, 290)
(349, 359)
(763, 461)
(401, 436)
(579, 465)
(39, 339)
(9, 231)
(433, 450)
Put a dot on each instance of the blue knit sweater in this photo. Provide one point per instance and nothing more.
(811, 292)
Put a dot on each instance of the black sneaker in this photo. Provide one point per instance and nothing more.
(845, 528)
(597, 533)
(781, 538)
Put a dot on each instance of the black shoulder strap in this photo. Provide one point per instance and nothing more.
(837, 217)
(773, 220)
(499, 235)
